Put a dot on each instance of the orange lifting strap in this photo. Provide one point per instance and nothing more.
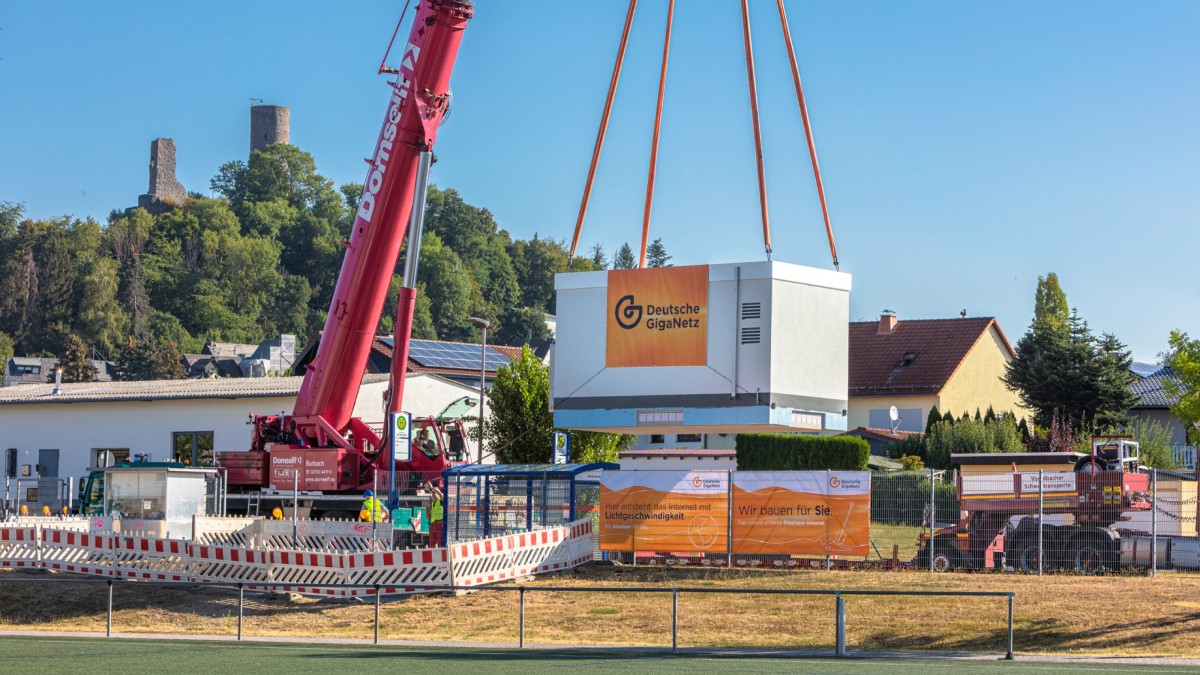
(754, 115)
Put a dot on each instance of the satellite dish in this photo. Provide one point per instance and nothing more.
(893, 414)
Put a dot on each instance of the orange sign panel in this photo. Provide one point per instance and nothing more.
(664, 511)
(657, 317)
(805, 513)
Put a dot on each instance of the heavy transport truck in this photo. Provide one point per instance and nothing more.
(1092, 520)
(321, 450)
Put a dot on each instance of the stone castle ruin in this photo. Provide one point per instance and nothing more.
(164, 189)
(269, 124)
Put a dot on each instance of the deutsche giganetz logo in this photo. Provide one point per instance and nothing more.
(834, 482)
(627, 314)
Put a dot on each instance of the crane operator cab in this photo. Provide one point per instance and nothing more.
(1110, 453)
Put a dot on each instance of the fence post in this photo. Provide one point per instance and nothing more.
(1009, 656)
(241, 608)
(521, 622)
(1041, 517)
(376, 613)
(1153, 522)
(674, 620)
(839, 648)
(108, 624)
(932, 516)
(295, 505)
(729, 524)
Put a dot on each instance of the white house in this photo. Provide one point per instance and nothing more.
(48, 435)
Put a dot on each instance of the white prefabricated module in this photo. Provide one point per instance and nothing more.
(738, 347)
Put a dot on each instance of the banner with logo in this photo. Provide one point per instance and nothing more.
(802, 512)
(562, 448)
(400, 444)
(657, 317)
(685, 511)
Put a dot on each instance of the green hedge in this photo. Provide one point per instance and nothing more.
(796, 452)
(901, 499)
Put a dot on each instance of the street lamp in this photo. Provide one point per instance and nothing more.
(483, 325)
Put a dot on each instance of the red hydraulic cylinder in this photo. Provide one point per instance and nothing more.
(419, 99)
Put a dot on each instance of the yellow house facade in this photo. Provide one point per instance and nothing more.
(953, 364)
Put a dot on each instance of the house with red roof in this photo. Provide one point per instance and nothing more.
(914, 365)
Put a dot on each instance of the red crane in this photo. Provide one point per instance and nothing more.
(332, 449)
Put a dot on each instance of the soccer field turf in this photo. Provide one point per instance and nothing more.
(132, 656)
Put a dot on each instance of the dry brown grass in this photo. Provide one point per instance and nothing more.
(1064, 614)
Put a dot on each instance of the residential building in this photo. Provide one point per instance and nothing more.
(273, 357)
(35, 370)
(1154, 405)
(914, 365)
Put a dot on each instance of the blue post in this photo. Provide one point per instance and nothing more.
(487, 507)
(571, 512)
(529, 502)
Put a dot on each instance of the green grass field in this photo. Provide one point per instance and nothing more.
(133, 656)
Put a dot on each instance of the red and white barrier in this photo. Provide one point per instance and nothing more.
(19, 547)
(396, 572)
(108, 552)
(517, 555)
(300, 571)
(228, 564)
(80, 552)
(151, 558)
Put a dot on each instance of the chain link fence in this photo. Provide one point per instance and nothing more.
(984, 518)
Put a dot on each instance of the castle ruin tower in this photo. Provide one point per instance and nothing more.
(269, 124)
(164, 187)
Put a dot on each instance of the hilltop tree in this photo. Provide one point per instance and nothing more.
(1070, 371)
(656, 254)
(1050, 307)
(599, 260)
(518, 426)
(624, 259)
(150, 359)
(7, 348)
(76, 364)
(1184, 361)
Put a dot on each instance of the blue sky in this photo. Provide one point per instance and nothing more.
(966, 148)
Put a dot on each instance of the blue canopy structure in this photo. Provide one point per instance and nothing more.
(485, 501)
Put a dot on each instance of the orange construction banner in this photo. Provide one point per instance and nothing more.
(657, 317)
(802, 512)
(682, 511)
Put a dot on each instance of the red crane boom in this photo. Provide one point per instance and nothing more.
(322, 432)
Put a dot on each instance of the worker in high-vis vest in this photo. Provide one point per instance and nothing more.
(435, 515)
(372, 508)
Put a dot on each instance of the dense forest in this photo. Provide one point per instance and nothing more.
(259, 260)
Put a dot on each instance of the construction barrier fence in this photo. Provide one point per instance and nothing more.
(64, 546)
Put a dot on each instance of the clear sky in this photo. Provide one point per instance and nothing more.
(966, 147)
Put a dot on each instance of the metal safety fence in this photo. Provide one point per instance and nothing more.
(988, 517)
(840, 597)
(108, 552)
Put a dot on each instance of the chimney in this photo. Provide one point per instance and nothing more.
(887, 323)
(57, 382)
